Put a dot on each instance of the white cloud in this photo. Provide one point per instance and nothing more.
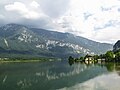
(34, 4)
(88, 18)
(32, 15)
(55, 8)
(109, 35)
(107, 20)
(1, 16)
(17, 6)
(23, 10)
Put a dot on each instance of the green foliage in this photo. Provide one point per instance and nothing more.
(109, 55)
(96, 57)
(117, 56)
(71, 60)
(102, 56)
(110, 66)
(81, 58)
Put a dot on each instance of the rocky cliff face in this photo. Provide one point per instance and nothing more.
(116, 46)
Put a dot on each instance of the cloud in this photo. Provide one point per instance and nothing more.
(1, 16)
(91, 18)
(87, 15)
(34, 4)
(18, 6)
(23, 10)
(54, 8)
(111, 23)
(88, 18)
(110, 33)
(34, 13)
(28, 14)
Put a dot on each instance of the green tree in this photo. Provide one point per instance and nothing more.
(117, 56)
(81, 58)
(102, 56)
(96, 57)
(109, 56)
(71, 60)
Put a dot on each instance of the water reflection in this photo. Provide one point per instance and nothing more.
(4, 79)
(103, 82)
(57, 75)
(110, 66)
(50, 75)
(24, 83)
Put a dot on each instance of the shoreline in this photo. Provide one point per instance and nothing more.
(20, 61)
(27, 61)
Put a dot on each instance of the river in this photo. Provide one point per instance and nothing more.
(59, 75)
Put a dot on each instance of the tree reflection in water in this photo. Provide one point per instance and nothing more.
(111, 67)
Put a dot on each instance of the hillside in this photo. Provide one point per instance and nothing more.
(19, 40)
(116, 46)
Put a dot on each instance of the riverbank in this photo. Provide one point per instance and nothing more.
(30, 60)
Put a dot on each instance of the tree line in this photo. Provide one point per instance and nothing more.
(109, 56)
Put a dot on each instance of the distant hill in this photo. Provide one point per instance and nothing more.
(116, 46)
(19, 40)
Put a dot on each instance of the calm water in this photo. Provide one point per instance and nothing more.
(59, 76)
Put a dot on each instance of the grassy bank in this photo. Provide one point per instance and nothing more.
(18, 61)
(29, 60)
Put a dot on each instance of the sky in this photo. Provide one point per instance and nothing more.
(98, 20)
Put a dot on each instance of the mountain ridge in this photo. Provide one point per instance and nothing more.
(40, 42)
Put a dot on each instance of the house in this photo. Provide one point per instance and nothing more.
(89, 59)
(101, 60)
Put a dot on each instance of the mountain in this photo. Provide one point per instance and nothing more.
(116, 46)
(19, 40)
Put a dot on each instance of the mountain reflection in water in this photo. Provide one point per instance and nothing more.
(59, 75)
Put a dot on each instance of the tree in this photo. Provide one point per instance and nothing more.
(96, 57)
(71, 60)
(81, 58)
(117, 56)
(109, 56)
